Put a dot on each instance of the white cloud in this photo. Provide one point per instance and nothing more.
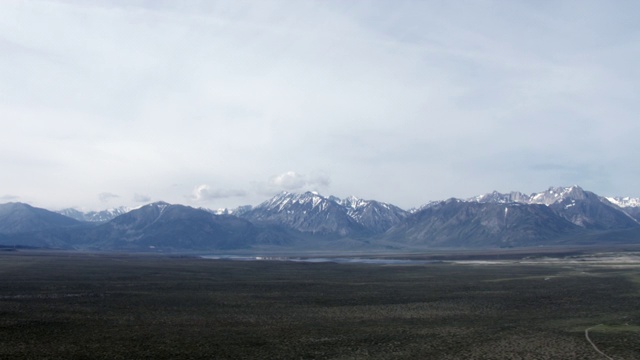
(204, 193)
(140, 198)
(9, 198)
(404, 101)
(293, 181)
(106, 197)
(288, 181)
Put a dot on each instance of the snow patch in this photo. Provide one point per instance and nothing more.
(624, 201)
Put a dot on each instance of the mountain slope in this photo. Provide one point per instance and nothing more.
(456, 223)
(576, 205)
(164, 226)
(308, 212)
(309, 221)
(375, 216)
(94, 216)
(21, 218)
(499, 198)
(629, 205)
(156, 227)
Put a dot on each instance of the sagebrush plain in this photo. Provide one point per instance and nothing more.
(56, 305)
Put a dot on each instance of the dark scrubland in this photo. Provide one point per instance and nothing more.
(65, 305)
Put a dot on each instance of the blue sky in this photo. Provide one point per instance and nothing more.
(224, 103)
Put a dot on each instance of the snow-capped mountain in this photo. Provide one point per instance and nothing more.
(499, 198)
(309, 212)
(226, 211)
(95, 216)
(425, 206)
(547, 197)
(459, 223)
(558, 215)
(314, 213)
(555, 195)
(573, 203)
(591, 211)
(624, 201)
(373, 215)
(629, 205)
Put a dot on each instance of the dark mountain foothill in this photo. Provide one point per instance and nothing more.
(22, 218)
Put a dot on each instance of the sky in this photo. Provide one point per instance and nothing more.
(225, 103)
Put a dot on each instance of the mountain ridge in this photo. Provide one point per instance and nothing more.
(556, 216)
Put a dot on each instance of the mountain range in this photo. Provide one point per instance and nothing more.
(95, 216)
(310, 221)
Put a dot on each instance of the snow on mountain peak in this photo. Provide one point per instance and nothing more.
(286, 199)
(161, 205)
(353, 202)
(557, 194)
(278, 201)
(551, 196)
(624, 202)
(500, 198)
(95, 216)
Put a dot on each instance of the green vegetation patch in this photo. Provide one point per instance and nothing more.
(615, 328)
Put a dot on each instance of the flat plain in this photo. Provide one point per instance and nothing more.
(68, 305)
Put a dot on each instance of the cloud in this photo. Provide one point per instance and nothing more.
(106, 197)
(293, 181)
(9, 197)
(203, 193)
(139, 198)
(405, 102)
(288, 181)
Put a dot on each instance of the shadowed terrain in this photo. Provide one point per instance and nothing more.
(104, 306)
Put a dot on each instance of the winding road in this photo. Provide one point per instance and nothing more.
(586, 334)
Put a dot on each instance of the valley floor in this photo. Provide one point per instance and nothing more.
(114, 306)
